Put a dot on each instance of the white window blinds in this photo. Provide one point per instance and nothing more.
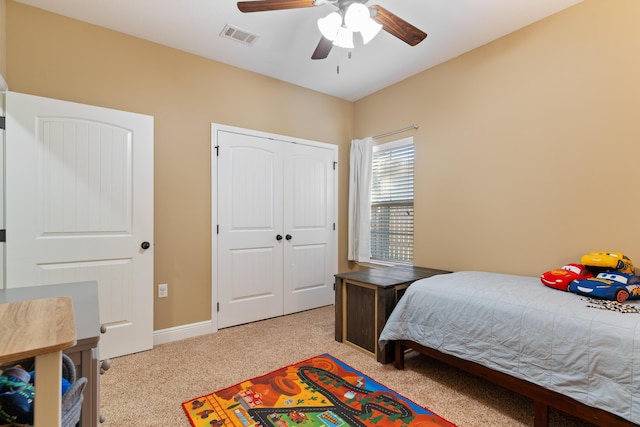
(392, 202)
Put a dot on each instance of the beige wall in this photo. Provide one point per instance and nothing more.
(3, 37)
(526, 152)
(528, 149)
(56, 57)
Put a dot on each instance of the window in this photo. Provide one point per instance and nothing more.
(392, 202)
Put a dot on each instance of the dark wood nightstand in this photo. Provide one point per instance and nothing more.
(364, 301)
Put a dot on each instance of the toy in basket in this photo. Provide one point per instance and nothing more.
(17, 395)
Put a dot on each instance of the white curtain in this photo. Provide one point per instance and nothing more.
(360, 199)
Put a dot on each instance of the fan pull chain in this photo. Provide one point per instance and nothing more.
(338, 65)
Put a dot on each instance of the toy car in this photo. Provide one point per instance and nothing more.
(609, 260)
(561, 277)
(611, 285)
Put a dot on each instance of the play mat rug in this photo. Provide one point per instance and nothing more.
(321, 391)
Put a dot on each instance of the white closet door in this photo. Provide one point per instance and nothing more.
(274, 244)
(309, 250)
(249, 207)
(79, 203)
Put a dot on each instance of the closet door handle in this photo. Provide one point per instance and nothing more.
(278, 237)
(288, 237)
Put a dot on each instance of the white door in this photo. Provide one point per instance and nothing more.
(309, 251)
(79, 205)
(275, 223)
(249, 223)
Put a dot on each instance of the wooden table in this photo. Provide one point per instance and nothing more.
(365, 300)
(40, 328)
(84, 353)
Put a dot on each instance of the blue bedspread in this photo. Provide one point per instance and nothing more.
(516, 325)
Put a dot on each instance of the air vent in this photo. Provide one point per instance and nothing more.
(238, 35)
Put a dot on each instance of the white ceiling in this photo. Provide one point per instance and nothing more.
(287, 38)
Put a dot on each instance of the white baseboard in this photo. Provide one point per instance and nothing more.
(163, 336)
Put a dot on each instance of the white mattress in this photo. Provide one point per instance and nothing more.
(516, 325)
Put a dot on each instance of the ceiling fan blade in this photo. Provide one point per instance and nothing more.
(266, 5)
(398, 27)
(323, 49)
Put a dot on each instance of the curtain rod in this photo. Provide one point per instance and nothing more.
(393, 132)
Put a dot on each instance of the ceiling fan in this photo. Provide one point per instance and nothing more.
(343, 23)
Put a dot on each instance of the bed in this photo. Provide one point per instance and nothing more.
(555, 347)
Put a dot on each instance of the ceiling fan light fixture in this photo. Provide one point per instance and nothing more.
(344, 38)
(330, 25)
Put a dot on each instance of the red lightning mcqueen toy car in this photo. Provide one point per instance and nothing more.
(560, 278)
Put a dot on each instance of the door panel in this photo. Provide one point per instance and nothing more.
(79, 203)
(86, 171)
(116, 298)
(249, 218)
(309, 220)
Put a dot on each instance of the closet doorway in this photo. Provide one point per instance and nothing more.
(274, 212)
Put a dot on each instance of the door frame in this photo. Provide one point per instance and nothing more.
(217, 127)
(3, 89)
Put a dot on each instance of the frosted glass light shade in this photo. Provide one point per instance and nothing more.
(344, 38)
(356, 16)
(329, 25)
(369, 30)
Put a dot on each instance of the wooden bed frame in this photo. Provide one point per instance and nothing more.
(542, 398)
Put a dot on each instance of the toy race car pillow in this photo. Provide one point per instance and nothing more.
(560, 278)
(603, 261)
(611, 285)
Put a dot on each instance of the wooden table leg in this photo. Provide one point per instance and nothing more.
(47, 405)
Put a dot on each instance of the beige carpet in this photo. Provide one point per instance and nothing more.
(146, 389)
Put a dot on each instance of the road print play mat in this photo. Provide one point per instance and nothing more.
(321, 391)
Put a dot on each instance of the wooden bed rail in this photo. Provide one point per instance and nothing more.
(542, 398)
